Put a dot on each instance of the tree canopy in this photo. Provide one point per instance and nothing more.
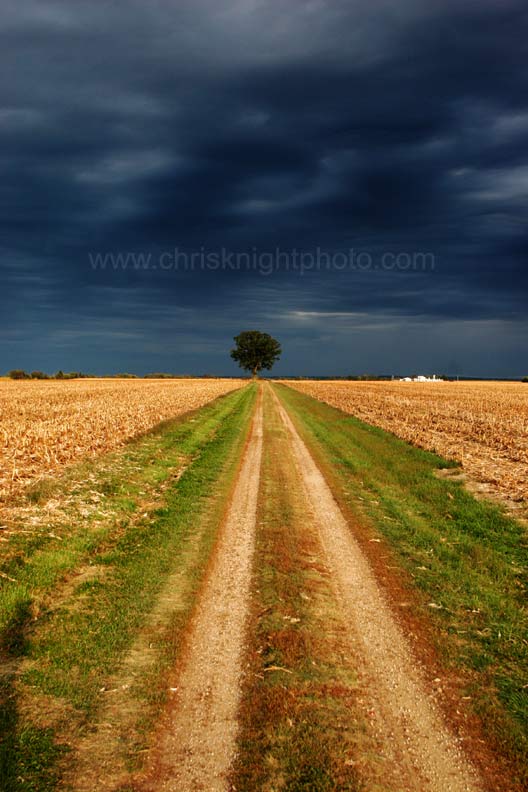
(255, 351)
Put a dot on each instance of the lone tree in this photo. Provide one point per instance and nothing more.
(255, 351)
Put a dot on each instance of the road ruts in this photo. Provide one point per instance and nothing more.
(198, 741)
(416, 739)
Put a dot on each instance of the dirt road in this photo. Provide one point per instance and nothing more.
(199, 736)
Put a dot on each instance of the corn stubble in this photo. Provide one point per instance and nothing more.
(483, 425)
(45, 426)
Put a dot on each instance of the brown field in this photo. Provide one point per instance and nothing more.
(45, 426)
(483, 425)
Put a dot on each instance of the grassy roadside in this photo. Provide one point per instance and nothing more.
(464, 559)
(300, 725)
(84, 582)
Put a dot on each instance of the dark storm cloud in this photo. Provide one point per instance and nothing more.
(395, 126)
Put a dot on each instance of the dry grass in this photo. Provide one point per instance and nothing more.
(484, 425)
(45, 426)
(301, 723)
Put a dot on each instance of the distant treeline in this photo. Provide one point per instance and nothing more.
(346, 378)
(20, 374)
(396, 377)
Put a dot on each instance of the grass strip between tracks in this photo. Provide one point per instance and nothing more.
(65, 630)
(300, 723)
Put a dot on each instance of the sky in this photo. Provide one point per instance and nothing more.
(350, 176)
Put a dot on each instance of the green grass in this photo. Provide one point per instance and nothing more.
(464, 556)
(65, 656)
(38, 560)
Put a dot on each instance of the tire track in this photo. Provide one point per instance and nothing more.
(198, 741)
(406, 718)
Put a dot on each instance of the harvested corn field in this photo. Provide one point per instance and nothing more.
(45, 426)
(483, 425)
